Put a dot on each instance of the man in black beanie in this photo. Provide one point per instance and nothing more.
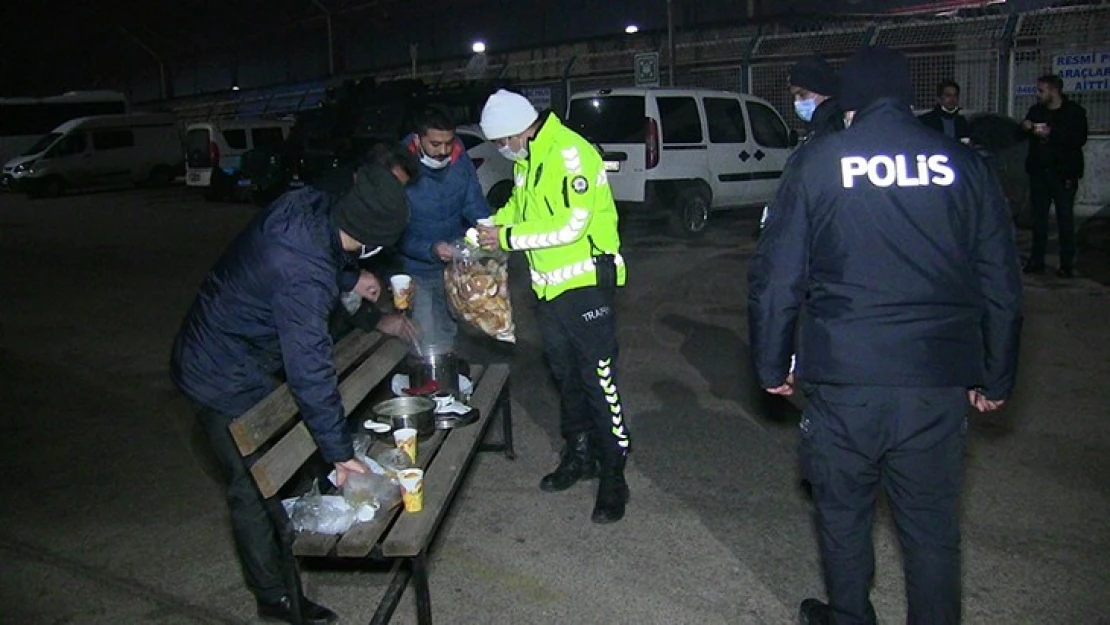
(813, 85)
(261, 317)
(890, 252)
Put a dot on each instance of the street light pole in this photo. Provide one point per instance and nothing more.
(162, 83)
(670, 43)
(331, 41)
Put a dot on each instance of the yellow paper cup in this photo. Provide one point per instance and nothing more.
(405, 438)
(412, 489)
(402, 291)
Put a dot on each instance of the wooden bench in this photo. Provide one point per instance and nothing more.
(275, 444)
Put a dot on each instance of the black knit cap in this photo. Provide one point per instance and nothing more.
(376, 209)
(875, 72)
(814, 74)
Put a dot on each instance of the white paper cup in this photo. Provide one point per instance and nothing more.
(402, 291)
(412, 489)
(406, 441)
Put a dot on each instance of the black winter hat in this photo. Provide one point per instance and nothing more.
(875, 72)
(376, 209)
(814, 74)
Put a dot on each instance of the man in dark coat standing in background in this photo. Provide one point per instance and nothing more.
(889, 259)
(813, 85)
(945, 116)
(1057, 130)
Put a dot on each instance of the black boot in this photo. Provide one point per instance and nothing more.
(577, 463)
(612, 492)
(282, 612)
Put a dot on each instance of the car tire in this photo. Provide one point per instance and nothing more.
(689, 213)
(499, 194)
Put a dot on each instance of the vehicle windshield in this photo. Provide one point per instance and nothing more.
(43, 143)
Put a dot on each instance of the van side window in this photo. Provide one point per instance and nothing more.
(266, 138)
(112, 139)
(767, 127)
(726, 120)
(236, 139)
(680, 119)
(74, 143)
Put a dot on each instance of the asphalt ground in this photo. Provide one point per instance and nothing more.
(109, 511)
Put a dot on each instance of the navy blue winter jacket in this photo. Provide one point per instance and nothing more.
(443, 203)
(890, 249)
(262, 315)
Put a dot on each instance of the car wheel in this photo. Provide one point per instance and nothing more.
(690, 212)
(499, 195)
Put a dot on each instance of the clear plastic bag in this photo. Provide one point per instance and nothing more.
(370, 489)
(477, 286)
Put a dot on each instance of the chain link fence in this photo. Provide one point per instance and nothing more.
(995, 60)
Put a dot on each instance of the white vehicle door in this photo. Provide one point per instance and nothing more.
(113, 156)
(771, 148)
(730, 157)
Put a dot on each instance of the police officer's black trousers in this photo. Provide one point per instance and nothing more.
(911, 441)
(1047, 189)
(578, 329)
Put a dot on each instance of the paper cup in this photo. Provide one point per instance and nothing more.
(412, 489)
(406, 441)
(402, 291)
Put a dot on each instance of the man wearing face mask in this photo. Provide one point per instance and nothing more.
(561, 215)
(813, 85)
(260, 318)
(445, 201)
(945, 116)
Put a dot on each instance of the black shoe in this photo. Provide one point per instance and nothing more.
(577, 463)
(282, 612)
(612, 493)
(1032, 267)
(814, 612)
(1065, 272)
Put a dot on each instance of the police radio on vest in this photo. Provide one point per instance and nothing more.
(886, 171)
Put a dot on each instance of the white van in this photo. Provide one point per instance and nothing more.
(687, 151)
(98, 151)
(214, 149)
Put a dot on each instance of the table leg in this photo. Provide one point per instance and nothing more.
(423, 595)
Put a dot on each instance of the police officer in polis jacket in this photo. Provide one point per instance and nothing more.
(889, 259)
(561, 215)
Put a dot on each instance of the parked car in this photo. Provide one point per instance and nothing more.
(97, 152)
(214, 152)
(685, 151)
(495, 172)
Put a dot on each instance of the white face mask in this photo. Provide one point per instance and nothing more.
(514, 155)
(433, 163)
(365, 252)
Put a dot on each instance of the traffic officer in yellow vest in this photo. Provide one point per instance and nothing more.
(561, 215)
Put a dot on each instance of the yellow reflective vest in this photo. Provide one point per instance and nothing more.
(561, 212)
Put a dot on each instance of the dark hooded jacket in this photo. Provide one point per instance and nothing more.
(261, 317)
(890, 249)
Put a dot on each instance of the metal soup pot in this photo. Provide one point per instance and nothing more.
(442, 367)
(417, 413)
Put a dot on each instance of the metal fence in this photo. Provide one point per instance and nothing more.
(996, 59)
